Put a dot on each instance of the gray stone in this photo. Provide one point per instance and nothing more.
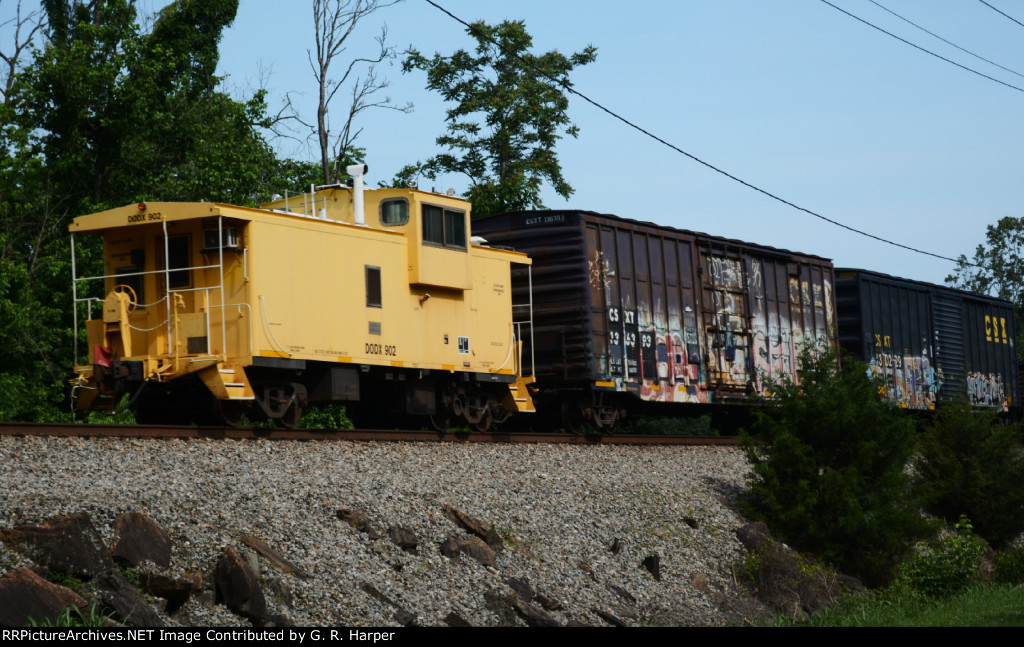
(137, 539)
(472, 546)
(25, 596)
(404, 538)
(69, 543)
(754, 535)
(116, 592)
(358, 520)
(238, 587)
(481, 529)
(652, 564)
(176, 590)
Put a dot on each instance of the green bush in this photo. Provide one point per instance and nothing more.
(700, 426)
(828, 458)
(941, 568)
(970, 463)
(329, 416)
(1008, 567)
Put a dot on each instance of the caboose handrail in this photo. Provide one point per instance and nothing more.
(166, 271)
(239, 305)
(144, 273)
(518, 325)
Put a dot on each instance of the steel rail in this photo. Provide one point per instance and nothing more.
(228, 433)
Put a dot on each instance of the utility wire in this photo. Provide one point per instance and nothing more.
(902, 40)
(881, 6)
(568, 88)
(1001, 13)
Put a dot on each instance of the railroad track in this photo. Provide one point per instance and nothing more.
(180, 432)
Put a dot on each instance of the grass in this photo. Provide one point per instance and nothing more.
(72, 616)
(982, 605)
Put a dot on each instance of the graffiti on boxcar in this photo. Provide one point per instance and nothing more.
(759, 353)
(776, 354)
(724, 304)
(755, 284)
(600, 270)
(986, 390)
(728, 339)
(910, 381)
(670, 371)
(725, 272)
(828, 304)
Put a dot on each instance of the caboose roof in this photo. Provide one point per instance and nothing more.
(155, 212)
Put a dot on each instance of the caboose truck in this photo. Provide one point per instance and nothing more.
(211, 312)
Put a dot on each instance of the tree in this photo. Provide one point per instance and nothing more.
(828, 469)
(997, 269)
(107, 115)
(510, 111)
(969, 464)
(25, 28)
(334, 22)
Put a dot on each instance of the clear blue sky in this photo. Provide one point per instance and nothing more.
(790, 95)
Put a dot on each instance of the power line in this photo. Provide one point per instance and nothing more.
(903, 40)
(568, 88)
(1001, 13)
(880, 6)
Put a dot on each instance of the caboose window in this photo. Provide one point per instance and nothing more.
(178, 260)
(373, 291)
(394, 212)
(444, 227)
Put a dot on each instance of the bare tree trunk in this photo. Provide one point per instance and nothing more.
(25, 29)
(334, 21)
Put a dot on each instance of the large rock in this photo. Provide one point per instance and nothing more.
(116, 592)
(276, 558)
(69, 544)
(511, 608)
(176, 590)
(790, 583)
(652, 564)
(358, 520)
(137, 539)
(25, 596)
(471, 546)
(402, 615)
(754, 535)
(238, 587)
(481, 529)
(404, 538)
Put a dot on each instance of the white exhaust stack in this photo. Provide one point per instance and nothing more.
(357, 171)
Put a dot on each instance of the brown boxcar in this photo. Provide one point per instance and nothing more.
(630, 315)
(929, 343)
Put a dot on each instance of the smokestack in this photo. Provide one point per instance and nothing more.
(357, 171)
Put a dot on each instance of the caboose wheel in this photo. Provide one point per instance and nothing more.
(483, 425)
(231, 413)
(290, 418)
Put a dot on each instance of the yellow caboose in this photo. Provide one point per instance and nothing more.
(378, 299)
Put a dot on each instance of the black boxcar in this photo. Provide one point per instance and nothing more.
(631, 315)
(928, 343)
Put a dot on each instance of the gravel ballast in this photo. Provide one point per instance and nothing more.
(578, 522)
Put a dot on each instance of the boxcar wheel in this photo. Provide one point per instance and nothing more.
(439, 421)
(572, 416)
